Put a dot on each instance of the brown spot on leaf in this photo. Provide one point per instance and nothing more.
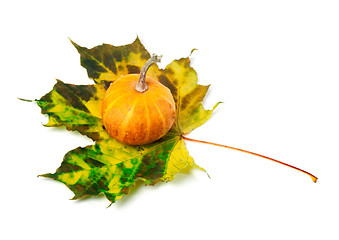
(132, 69)
(68, 167)
(85, 92)
(165, 81)
(72, 99)
(93, 163)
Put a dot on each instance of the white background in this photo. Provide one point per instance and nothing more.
(274, 64)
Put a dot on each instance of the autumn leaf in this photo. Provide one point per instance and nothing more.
(110, 167)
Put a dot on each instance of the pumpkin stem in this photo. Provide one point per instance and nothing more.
(141, 85)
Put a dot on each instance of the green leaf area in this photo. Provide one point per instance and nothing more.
(110, 167)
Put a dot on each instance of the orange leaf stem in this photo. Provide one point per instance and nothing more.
(314, 178)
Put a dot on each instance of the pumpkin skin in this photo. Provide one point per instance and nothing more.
(134, 117)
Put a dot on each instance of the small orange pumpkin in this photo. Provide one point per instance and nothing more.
(137, 109)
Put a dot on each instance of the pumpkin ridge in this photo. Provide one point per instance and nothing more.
(161, 115)
(163, 97)
(110, 105)
(128, 117)
(148, 126)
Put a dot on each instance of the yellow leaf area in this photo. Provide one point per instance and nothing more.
(182, 80)
(109, 167)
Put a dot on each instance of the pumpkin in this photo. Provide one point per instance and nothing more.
(138, 109)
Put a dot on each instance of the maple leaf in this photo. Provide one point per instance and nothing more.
(108, 166)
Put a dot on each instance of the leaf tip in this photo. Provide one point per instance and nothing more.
(26, 100)
(110, 205)
(137, 39)
(71, 40)
(193, 50)
(49, 175)
(75, 197)
(216, 105)
(78, 47)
